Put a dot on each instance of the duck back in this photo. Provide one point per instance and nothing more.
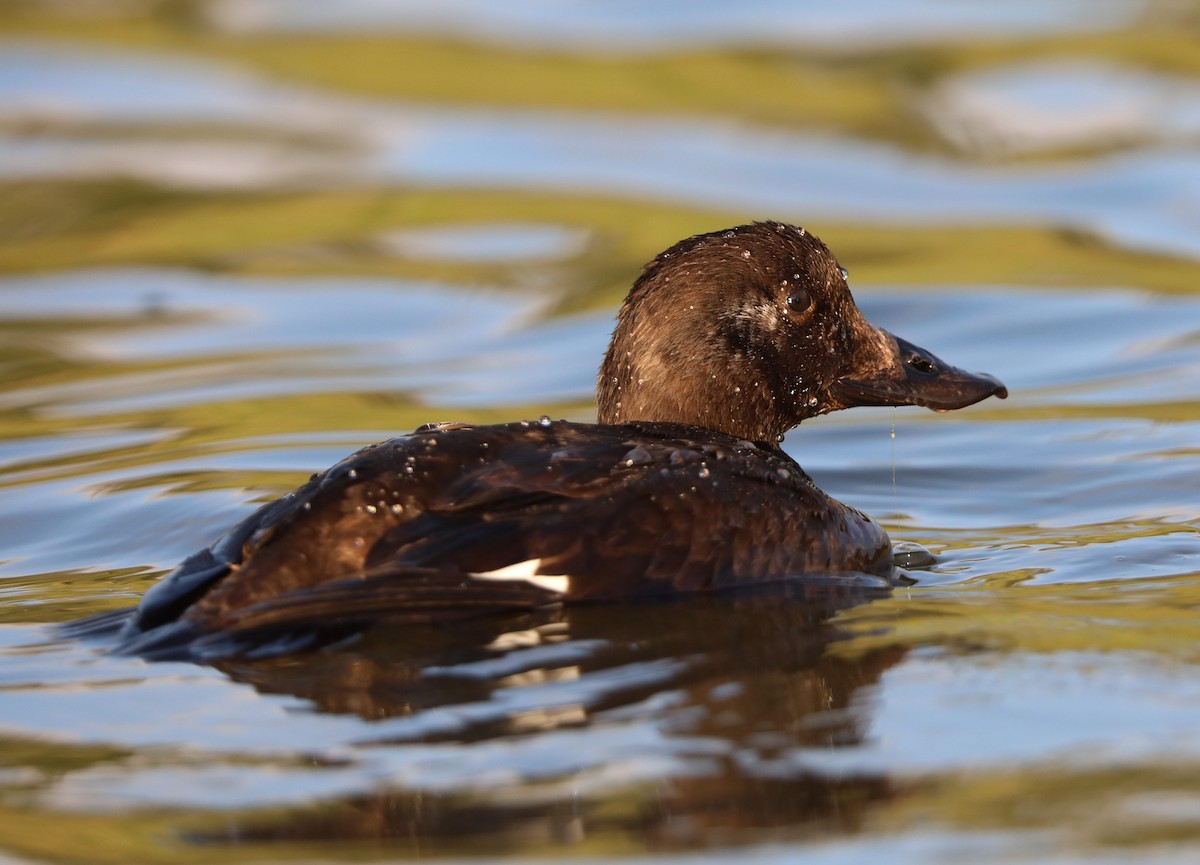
(455, 518)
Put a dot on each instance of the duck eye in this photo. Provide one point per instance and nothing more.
(799, 300)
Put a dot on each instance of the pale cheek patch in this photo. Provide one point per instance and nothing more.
(528, 572)
(763, 315)
(886, 349)
(655, 368)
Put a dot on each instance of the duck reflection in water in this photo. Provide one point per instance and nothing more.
(726, 341)
(739, 691)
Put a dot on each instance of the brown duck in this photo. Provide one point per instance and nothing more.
(726, 341)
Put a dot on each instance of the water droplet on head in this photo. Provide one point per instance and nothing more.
(544, 421)
(397, 509)
(369, 509)
(745, 253)
(352, 474)
(704, 472)
(812, 402)
(728, 234)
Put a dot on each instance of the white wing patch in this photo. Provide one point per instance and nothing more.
(528, 571)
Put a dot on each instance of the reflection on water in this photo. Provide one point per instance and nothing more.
(705, 163)
(641, 26)
(239, 240)
(1056, 106)
(673, 722)
(725, 688)
(487, 242)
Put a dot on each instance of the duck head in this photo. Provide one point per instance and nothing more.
(751, 330)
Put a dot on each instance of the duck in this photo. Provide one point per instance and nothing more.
(726, 341)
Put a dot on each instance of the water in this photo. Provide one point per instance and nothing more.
(238, 241)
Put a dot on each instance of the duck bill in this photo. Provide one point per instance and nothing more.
(907, 374)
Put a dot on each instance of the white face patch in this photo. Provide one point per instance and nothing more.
(528, 571)
(653, 367)
(886, 348)
(764, 315)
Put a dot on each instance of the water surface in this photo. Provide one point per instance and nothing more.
(238, 241)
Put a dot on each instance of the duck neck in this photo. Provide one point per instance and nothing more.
(728, 400)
